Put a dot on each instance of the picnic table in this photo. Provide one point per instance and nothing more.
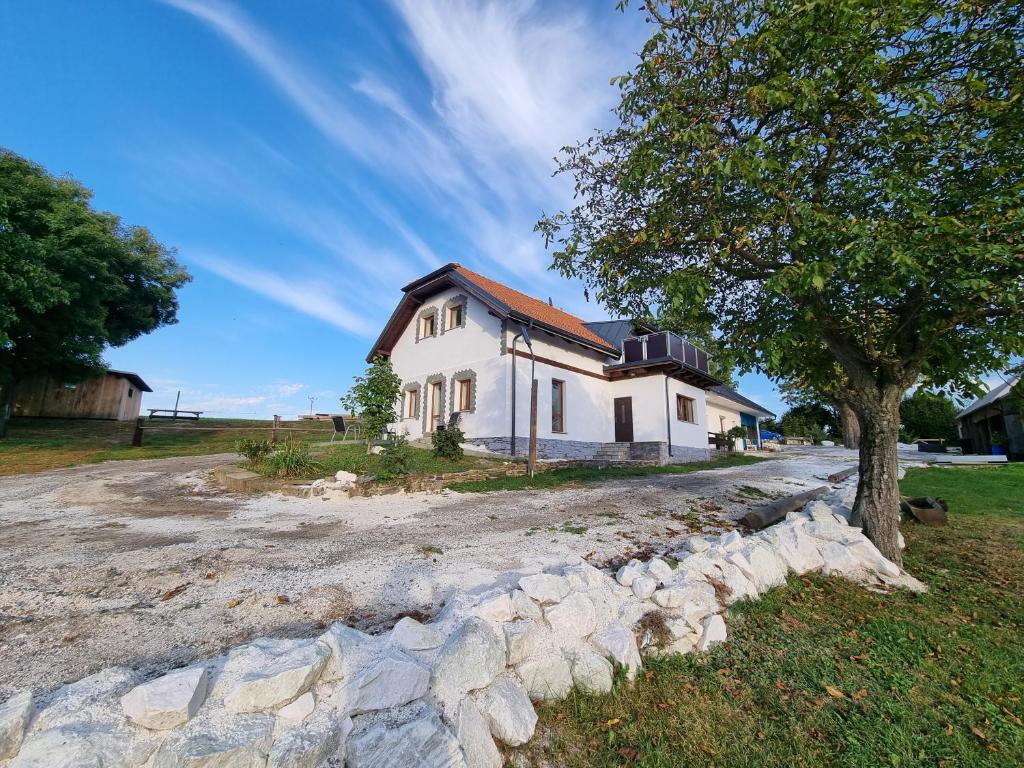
(175, 413)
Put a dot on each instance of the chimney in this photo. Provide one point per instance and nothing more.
(550, 302)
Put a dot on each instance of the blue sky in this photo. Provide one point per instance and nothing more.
(308, 159)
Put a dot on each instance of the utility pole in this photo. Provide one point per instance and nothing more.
(312, 399)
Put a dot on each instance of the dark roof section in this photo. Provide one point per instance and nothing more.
(991, 397)
(134, 378)
(617, 331)
(731, 394)
(503, 301)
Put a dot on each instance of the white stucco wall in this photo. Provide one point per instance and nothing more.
(475, 347)
(649, 422)
(721, 417)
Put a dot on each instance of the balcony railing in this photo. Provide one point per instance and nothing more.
(663, 346)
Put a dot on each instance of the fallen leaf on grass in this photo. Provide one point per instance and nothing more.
(610, 723)
(979, 733)
(172, 593)
(949, 729)
(861, 694)
(629, 753)
(834, 692)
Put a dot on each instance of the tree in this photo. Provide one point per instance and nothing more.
(373, 398)
(73, 280)
(928, 414)
(834, 182)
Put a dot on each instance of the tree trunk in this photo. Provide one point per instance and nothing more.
(877, 507)
(851, 426)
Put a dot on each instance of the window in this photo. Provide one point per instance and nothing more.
(412, 403)
(557, 405)
(455, 316)
(131, 392)
(465, 390)
(428, 326)
(684, 409)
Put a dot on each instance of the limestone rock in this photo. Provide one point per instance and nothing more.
(868, 555)
(343, 642)
(94, 699)
(714, 632)
(299, 709)
(819, 512)
(627, 574)
(240, 742)
(522, 638)
(168, 701)
(276, 674)
(508, 711)
(413, 636)
(547, 678)
(83, 745)
(619, 644)
(393, 679)
(737, 584)
(423, 741)
(545, 588)
(583, 576)
(495, 608)
(474, 735)
(796, 548)
(525, 607)
(659, 570)
(767, 569)
(470, 658)
(345, 478)
(831, 531)
(14, 716)
(591, 672)
(644, 586)
(731, 540)
(838, 560)
(669, 597)
(697, 544)
(575, 616)
(311, 744)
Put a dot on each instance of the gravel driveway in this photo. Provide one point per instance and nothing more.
(147, 564)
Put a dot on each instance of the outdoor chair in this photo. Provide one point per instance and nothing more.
(340, 427)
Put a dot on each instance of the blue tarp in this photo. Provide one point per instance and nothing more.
(766, 435)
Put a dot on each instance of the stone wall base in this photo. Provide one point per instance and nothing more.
(550, 448)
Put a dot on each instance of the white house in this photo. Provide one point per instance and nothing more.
(727, 408)
(462, 342)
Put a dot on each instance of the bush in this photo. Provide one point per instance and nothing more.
(395, 459)
(291, 459)
(736, 431)
(448, 443)
(255, 451)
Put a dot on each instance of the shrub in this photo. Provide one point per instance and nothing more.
(291, 459)
(255, 451)
(448, 443)
(735, 432)
(395, 459)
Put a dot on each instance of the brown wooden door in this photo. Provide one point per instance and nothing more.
(623, 419)
(435, 406)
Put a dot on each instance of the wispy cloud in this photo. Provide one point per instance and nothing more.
(310, 296)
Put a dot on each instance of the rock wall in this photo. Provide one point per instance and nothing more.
(434, 694)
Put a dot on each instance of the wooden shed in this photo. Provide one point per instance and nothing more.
(116, 395)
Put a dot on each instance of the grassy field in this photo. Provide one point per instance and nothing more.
(825, 673)
(34, 445)
(558, 477)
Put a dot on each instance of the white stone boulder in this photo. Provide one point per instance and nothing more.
(819, 511)
(168, 701)
(422, 741)
(644, 586)
(276, 673)
(831, 531)
(299, 709)
(714, 632)
(760, 564)
(414, 636)
(738, 586)
(730, 541)
(545, 588)
(474, 735)
(591, 672)
(627, 574)
(202, 743)
(584, 576)
(669, 597)
(838, 560)
(867, 555)
(93, 699)
(697, 544)
(618, 643)
(14, 716)
(524, 606)
(83, 745)
(346, 645)
(508, 711)
(575, 616)
(546, 677)
(392, 680)
(795, 547)
(310, 744)
(522, 639)
(470, 658)
(659, 570)
(345, 478)
(495, 608)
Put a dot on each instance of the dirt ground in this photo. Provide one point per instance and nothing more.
(148, 564)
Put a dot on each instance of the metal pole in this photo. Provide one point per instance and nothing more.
(668, 418)
(176, 401)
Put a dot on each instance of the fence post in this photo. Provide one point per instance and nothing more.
(137, 434)
(277, 426)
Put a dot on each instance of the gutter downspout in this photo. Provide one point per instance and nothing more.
(514, 340)
(668, 415)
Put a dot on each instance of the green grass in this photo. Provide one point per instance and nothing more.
(557, 477)
(35, 445)
(823, 672)
(352, 457)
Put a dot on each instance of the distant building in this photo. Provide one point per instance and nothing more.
(993, 415)
(727, 408)
(116, 395)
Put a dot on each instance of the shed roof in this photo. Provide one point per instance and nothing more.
(731, 394)
(134, 378)
(991, 397)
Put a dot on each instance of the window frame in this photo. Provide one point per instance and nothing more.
(558, 384)
(682, 400)
(459, 308)
(432, 320)
(464, 387)
(412, 398)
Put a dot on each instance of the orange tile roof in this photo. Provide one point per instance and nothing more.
(537, 309)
